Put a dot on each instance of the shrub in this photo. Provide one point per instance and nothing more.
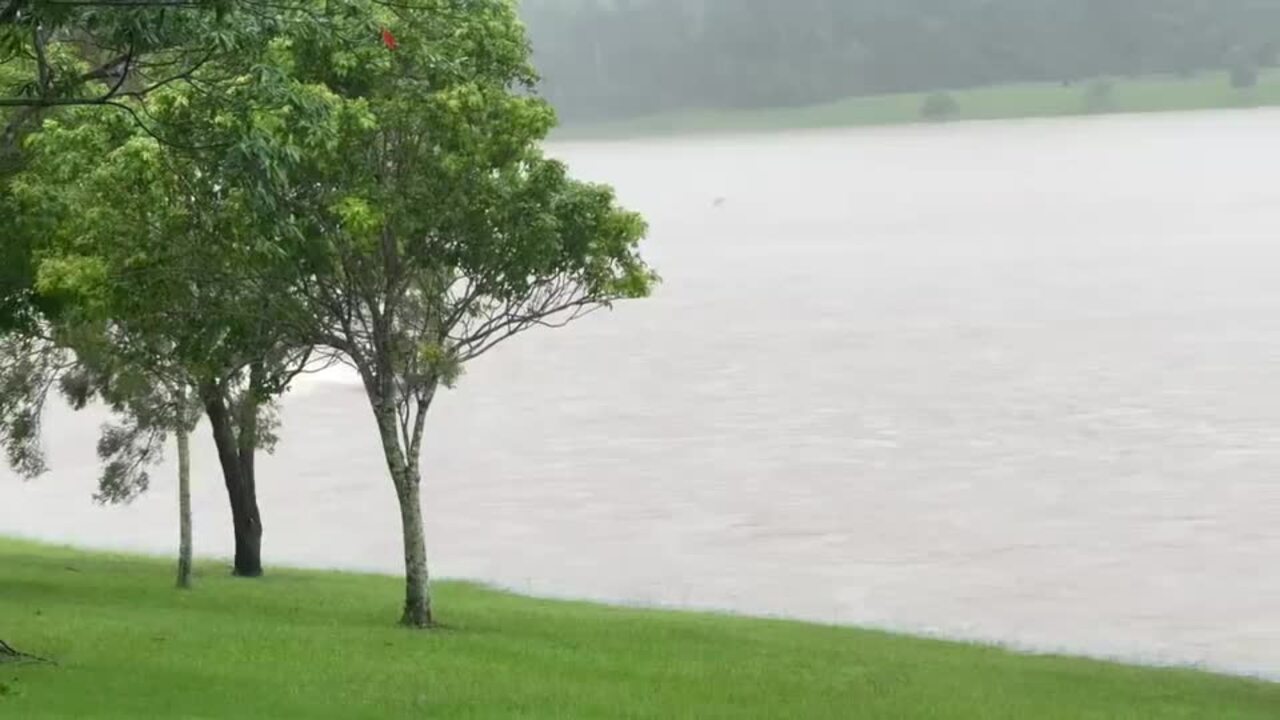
(1099, 97)
(939, 106)
(1244, 76)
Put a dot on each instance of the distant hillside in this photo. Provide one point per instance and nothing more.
(618, 59)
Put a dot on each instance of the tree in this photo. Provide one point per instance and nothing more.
(1244, 76)
(939, 106)
(152, 403)
(151, 396)
(90, 356)
(436, 229)
(1099, 97)
(30, 368)
(173, 279)
(383, 196)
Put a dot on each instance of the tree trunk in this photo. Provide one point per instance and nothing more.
(248, 530)
(408, 481)
(184, 507)
(417, 588)
(246, 452)
(237, 471)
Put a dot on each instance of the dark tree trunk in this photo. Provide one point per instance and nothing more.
(248, 529)
(236, 455)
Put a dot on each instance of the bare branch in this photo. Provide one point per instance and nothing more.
(45, 75)
(419, 425)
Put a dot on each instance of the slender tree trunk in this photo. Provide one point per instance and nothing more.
(241, 490)
(417, 588)
(184, 507)
(408, 481)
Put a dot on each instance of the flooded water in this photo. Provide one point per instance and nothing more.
(1015, 382)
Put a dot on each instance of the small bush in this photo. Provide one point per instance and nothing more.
(939, 106)
(1269, 54)
(1099, 97)
(1244, 76)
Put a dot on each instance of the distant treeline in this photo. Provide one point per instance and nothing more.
(608, 59)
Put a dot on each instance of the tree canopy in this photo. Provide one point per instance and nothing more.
(434, 228)
(363, 181)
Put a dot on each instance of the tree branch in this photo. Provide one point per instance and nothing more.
(8, 654)
(424, 405)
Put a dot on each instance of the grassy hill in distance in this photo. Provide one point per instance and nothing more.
(1163, 93)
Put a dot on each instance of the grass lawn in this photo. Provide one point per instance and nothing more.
(1146, 94)
(322, 645)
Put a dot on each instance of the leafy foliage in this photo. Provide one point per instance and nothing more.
(29, 370)
(362, 180)
(157, 287)
(61, 53)
(127, 450)
(424, 224)
(438, 229)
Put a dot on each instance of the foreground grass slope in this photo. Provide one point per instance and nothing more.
(1132, 95)
(321, 645)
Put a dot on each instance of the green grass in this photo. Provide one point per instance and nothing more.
(1146, 94)
(322, 645)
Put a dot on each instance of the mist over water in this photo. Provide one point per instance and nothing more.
(1009, 381)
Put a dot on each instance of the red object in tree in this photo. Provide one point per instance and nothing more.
(388, 39)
